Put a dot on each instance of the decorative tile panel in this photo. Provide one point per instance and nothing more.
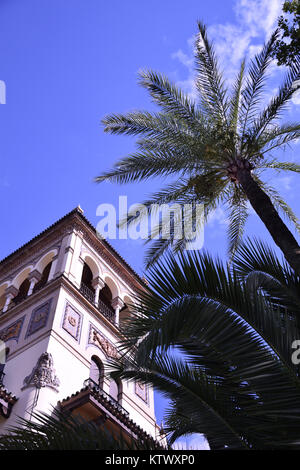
(12, 331)
(72, 321)
(39, 318)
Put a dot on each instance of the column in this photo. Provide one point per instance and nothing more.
(10, 293)
(97, 284)
(117, 303)
(34, 277)
(53, 267)
(75, 268)
(65, 253)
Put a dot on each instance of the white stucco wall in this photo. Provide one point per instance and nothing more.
(71, 356)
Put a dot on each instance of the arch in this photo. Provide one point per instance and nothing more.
(97, 371)
(3, 287)
(23, 291)
(115, 389)
(19, 278)
(45, 276)
(86, 283)
(127, 299)
(106, 296)
(45, 260)
(125, 312)
(113, 286)
(92, 264)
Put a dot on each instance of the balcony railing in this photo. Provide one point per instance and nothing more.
(87, 292)
(107, 311)
(92, 385)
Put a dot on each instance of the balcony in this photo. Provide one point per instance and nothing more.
(92, 385)
(7, 399)
(93, 404)
(107, 311)
(87, 292)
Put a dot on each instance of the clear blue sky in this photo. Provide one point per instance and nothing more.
(67, 64)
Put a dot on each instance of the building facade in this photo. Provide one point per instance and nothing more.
(63, 297)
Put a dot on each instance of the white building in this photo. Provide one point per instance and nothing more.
(63, 296)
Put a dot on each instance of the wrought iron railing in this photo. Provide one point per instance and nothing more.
(87, 292)
(107, 311)
(92, 385)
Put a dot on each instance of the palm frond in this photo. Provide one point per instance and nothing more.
(277, 137)
(237, 219)
(284, 166)
(257, 263)
(170, 98)
(61, 431)
(255, 82)
(208, 338)
(236, 98)
(278, 103)
(209, 81)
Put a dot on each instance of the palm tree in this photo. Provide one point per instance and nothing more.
(216, 148)
(218, 342)
(61, 431)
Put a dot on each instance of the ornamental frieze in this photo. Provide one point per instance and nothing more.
(98, 339)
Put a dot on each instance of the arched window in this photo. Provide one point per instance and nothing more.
(106, 296)
(114, 390)
(86, 286)
(96, 371)
(23, 291)
(87, 276)
(44, 278)
(124, 315)
(3, 361)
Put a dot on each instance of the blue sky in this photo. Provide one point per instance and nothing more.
(66, 64)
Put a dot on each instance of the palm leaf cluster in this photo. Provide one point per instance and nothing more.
(217, 341)
(61, 431)
(201, 143)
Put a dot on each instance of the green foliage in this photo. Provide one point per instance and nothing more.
(62, 431)
(196, 141)
(287, 48)
(216, 340)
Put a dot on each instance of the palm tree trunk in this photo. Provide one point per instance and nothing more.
(264, 208)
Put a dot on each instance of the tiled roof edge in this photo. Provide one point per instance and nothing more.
(78, 212)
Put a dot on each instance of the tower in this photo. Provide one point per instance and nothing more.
(63, 297)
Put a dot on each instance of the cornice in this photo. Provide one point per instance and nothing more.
(73, 221)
